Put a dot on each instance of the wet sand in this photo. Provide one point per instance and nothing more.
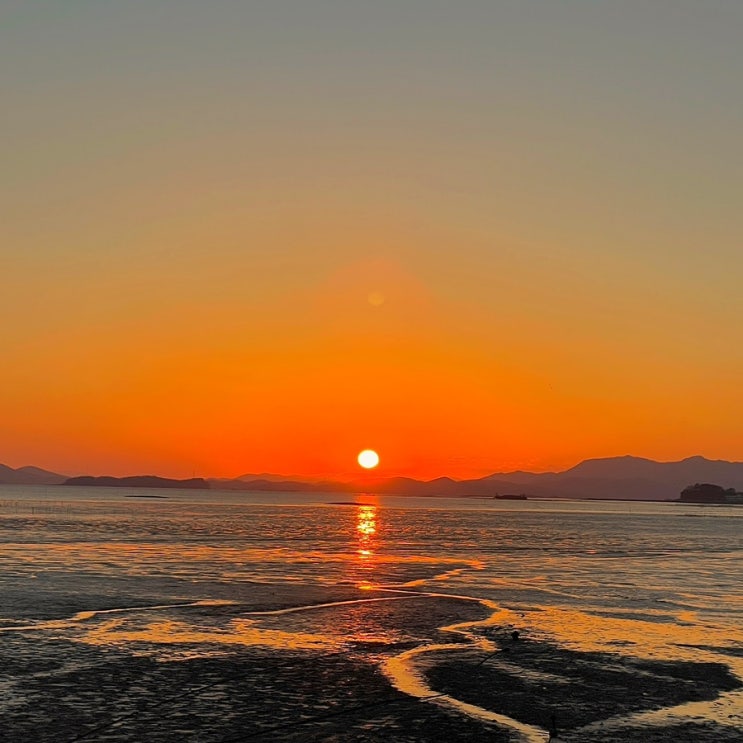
(543, 685)
(297, 664)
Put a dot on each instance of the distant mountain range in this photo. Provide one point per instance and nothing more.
(29, 476)
(632, 478)
(138, 481)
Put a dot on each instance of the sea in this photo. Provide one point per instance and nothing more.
(217, 617)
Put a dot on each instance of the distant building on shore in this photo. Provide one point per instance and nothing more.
(707, 493)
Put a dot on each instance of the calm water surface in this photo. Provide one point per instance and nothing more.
(98, 578)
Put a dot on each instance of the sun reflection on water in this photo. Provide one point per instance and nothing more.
(366, 529)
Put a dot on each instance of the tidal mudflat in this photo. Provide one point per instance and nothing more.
(190, 619)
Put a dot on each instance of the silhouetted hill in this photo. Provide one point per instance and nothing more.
(271, 477)
(617, 467)
(29, 476)
(279, 486)
(381, 485)
(626, 477)
(138, 481)
(236, 483)
(613, 477)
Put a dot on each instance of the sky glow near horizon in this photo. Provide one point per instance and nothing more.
(254, 237)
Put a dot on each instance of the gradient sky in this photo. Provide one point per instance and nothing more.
(475, 236)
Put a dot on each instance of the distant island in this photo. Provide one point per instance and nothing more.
(706, 492)
(139, 481)
(615, 478)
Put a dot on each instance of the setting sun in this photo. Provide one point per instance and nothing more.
(368, 459)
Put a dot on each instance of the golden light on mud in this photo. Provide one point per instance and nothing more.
(368, 459)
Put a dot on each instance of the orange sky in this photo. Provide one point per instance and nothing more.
(261, 239)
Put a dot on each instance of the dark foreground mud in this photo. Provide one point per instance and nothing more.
(304, 666)
(543, 685)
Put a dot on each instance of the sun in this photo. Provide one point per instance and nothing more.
(368, 459)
